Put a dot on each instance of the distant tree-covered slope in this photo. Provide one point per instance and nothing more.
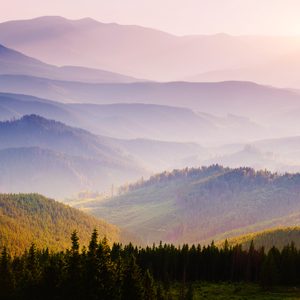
(49, 157)
(33, 130)
(32, 218)
(278, 237)
(135, 120)
(198, 205)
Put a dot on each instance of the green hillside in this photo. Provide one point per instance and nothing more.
(27, 218)
(198, 205)
(278, 237)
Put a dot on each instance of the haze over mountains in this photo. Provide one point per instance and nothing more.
(88, 106)
(16, 63)
(74, 160)
(36, 151)
(151, 54)
(45, 148)
(282, 71)
(136, 121)
(240, 98)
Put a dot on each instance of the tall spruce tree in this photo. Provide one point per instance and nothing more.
(74, 270)
(132, 287)
(7, 283)
(149, 288)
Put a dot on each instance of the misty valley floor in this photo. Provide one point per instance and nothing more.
(241, 291)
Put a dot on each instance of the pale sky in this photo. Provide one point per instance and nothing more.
(238, 17)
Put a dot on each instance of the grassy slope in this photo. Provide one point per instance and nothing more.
(203, 204)
(290, 220)
(278, 237)
(27, 218)
(141, 212)
(238, 291)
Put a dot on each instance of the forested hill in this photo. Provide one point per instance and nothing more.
(275, 237)
(198, 205)
(50, 158)
(32, 218)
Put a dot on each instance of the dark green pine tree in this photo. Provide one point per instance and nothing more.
(289, 268)
(107, 275)
(132, 287)
(74, 270)
(33, 263)
(250, 272)
(7, 283)
(52, 278)
(269, 271)
(92, 268)
(149, 289)
(119, 273)
(32, 273)
(93, 244)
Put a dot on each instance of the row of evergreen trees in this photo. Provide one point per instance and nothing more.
(128, 272)
(168, 264)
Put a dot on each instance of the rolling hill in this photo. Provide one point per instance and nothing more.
(278, 237)
(33, 130)
(138, 121)
(237, 98)
(41, 155)
(15, 63)
(32, 218)
(198, 205)
(15, 106)
(166, 137)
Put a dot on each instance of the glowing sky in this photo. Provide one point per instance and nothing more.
(264, 17)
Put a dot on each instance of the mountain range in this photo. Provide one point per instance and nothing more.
(155, 55)
(238, 98)
(83, 160)
(136, 123)
(15, 63)
(25, 75)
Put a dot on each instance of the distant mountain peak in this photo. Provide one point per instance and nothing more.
(35, 121)
(33, 118)
(48, 18)
(38, 121)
